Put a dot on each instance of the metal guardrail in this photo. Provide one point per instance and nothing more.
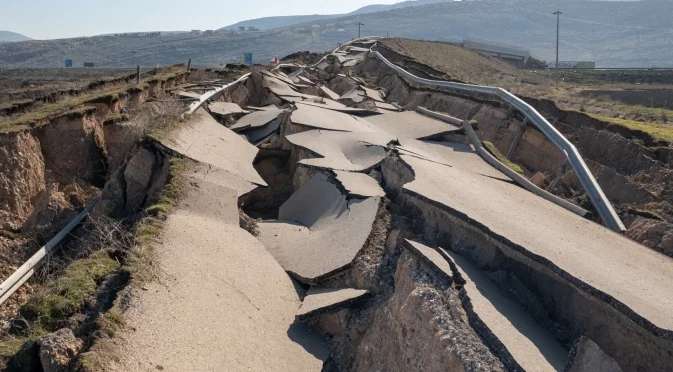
(598, 198)
(211, 93)
(521, 180)
(20, 276)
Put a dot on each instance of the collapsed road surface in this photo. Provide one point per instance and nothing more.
(383, 242)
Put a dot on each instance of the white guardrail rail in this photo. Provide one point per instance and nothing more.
(23, 273)
(600, 202)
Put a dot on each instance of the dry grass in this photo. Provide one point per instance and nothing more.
(156, 119)
(490, 147)
(661, 132)
(77, 103)
(458, 63)
(140, 263)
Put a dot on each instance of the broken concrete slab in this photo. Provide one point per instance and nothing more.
(226, 108)
(373, 94)
(305, 80)
(315, 117)
(283, 79)
(211, 200)
(329, 93)
(521, 343)
(355, 152)
(359, 184)
(205, 140)
(602, 270)
(184, 94)
(336, 106)
(386, 106)
(256, 119)
(453, 154)
(258, 134)
(279, 87)
(326, 300)
(206, 172)
(355, 95)
(206, 264)
(586, 356)
(263, 108)
(431, 259)
(410, 124)
(319, 233)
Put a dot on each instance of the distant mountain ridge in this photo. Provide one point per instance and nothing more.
(611, 33)
(267, 23)
(12, 37)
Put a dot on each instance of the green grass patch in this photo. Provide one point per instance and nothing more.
(647, 214)
(490, 147)
(68, 294)
(150, 227)
(21, 348)
(109, 97)
(116, 118)
(661, 132)
(112, 322)
(44, 113)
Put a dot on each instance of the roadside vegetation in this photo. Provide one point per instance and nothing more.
(78, 287)
(81, 103)
(490, 147)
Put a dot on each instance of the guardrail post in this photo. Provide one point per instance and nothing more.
(519, 134)
(138, 74)
(189, 64)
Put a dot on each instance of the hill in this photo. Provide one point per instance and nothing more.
(268, 23)
(11, 37)
(275, 22)
(614, 34)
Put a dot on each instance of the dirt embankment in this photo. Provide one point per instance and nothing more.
(632, 167)
(50, 172)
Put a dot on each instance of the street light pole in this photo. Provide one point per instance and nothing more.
(558, 18)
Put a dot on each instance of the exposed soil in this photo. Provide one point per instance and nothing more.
(47, 176)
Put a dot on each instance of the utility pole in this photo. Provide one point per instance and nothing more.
(558, 18)
(359, 24)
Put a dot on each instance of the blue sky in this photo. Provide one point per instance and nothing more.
(54, 19)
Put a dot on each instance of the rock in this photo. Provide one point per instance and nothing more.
(586, 356)
(240, 95)
(58, 349)
(539, 180)
(138, 174)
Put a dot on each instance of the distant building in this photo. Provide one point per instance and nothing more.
(252, 28)
(196, 31)
(241, 28)
(573, 64)
(341, 30)
(316, 26)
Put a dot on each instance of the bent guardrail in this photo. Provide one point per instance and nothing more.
(598, 198)
(521, 180)
(20, 276)
(211, 93)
